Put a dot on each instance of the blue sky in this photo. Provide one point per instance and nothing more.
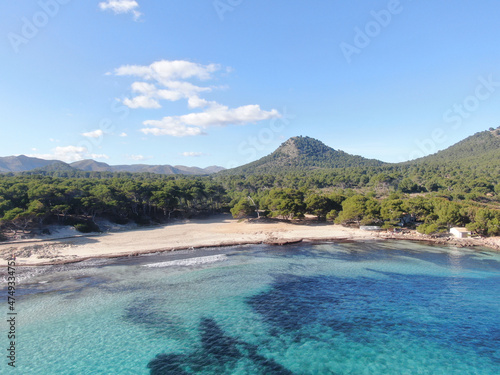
(224, 82)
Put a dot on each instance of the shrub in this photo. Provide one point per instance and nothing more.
(429, 228)
(389, 225)
(332, 215)
(87, 227)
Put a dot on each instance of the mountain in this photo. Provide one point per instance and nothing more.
(480, 150)
(24, 163)
(91, 166)
(53, 167)
(303, 153)
(214, 169)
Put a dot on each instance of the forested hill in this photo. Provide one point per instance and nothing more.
(481, 150)
(303, 153)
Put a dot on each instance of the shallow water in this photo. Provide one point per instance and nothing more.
(351, 308)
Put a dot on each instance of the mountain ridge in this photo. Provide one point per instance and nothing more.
(304, 152)
(482, 147)
(23, 163)
(296, 153)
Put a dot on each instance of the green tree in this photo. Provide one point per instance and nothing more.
(287, 203)
(448, 213)
(408, 186)
(318, 205)
(486, 222)
(392, 209)
(242, 209)
(353, 210)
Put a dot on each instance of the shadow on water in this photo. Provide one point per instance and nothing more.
(70, 289)
(436, 309)
(146, 313)
(218, 353)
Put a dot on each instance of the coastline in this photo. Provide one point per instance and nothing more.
(201, 233)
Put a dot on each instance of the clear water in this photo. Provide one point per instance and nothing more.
(350, 308)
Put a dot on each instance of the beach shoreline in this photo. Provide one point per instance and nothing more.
(220, 231)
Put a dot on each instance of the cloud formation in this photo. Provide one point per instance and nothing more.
(70, 154)
(216, 115)
(94, 134)
(192, 154)
(165, 70)
(121, 6)
(138, 157)
(168, 80)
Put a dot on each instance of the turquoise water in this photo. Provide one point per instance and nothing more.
(349, 308)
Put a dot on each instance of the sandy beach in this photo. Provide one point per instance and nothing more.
(218, 231)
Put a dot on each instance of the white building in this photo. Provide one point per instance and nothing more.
(460, 232)
(370, 227)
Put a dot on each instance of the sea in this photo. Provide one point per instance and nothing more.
(373, 307)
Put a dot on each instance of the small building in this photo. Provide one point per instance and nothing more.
(370, 227)
(460, 232)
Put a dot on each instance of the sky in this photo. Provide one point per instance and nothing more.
(225, 82)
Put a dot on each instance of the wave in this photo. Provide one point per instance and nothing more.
(190, 261)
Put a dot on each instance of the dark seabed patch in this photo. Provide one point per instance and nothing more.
(218, 353)
(147, 313)
(367, 309)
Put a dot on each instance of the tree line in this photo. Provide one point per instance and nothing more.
(433, 213)
(33, 200)
(438, 196)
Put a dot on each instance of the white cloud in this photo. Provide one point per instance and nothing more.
(70, 154)
(219, 115)
(168, 80)
(172, 76)
(173, 91)
(123, 134)
(216, 115)
(192, 154)
(150, 94)
(121, 6)
(138, 157)
(141, 101)
(162, 127)
(94, 134)
(98, 156)
(143, 87)
(196, 102)
(165, 70)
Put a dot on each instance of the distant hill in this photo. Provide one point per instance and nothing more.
(479, 150)
(90, 165)
(54, 166)
(304, 153)
(24, 163)
(213, 169)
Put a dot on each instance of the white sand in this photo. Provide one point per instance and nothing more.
(220, 231)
